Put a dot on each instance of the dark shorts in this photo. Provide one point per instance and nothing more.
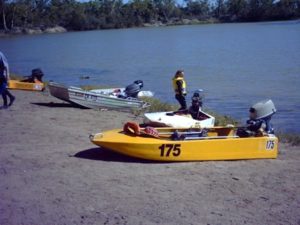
(3, 87)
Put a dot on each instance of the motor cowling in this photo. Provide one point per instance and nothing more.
(132, 90)
(37, 74)
(264, 109)
(259, 122)
(140, 83)
(197, 98)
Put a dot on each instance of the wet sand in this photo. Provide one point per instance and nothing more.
(50, 173)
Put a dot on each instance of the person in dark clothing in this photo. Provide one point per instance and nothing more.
(262, 125)
(179, 86)
(195, 109)
(256, 126)
(4, 77)
(196, 106)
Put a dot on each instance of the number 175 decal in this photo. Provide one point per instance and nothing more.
(169, 149)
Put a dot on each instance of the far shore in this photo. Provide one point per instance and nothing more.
(60, 29)
(32, 31)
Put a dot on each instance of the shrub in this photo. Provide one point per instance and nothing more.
(157, 105)
(291, 138)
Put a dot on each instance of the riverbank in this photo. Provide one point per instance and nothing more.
(60, 29)
(172, 22)
(33, 30)
(51, 172)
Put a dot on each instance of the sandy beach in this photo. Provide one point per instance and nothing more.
(51, 174)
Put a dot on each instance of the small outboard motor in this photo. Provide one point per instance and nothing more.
(132, 90)
(196, 106)
(260, 115)
(197, 98)
(36, 75)
(140, 83)
(263, 111)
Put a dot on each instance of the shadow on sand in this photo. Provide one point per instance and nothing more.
(58, 105)
(109, 156)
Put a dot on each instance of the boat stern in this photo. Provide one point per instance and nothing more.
(59, 91)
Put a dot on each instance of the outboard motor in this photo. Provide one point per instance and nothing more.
(196, 106)
(132, 90)
(140, 83)
(37, 74)
(197, 98)
(259, 122)
(264, 111)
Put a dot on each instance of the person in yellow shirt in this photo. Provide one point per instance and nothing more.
(179, 86)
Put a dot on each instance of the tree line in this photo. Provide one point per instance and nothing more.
(106, 14)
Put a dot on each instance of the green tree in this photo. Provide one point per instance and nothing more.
(259, 9)
(144, 11)
(3, 12)
(77, 18)
(165, 8)
(198, 8)
(104, 14)
(61, 12)
(286, 9)
(237, 9)
(220, 9)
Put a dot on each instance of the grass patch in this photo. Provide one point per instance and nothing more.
(158, 106)
(293, 139)
(14, 76)
(155, 106)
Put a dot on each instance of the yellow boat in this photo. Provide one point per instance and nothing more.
(217, 143)
(20, 85)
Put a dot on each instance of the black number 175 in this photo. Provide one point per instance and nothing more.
(167, 149)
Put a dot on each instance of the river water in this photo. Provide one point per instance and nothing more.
(236, 64)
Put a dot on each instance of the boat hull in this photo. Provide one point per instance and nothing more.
(230, 148)
(19, 85)
(94, 100)
(59, 91)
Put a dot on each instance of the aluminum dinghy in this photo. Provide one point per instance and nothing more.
(95, 100)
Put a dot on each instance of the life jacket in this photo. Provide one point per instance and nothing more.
(175, 86)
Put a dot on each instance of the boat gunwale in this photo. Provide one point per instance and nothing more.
(124, 104)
